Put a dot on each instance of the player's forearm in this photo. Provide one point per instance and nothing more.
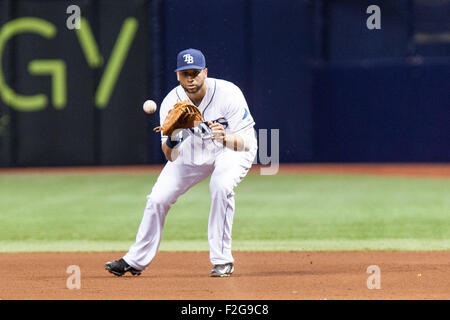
(235, 142)
(171, 154)
(170, 145)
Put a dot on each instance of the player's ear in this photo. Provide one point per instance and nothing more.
(178, 75)
(206, 72)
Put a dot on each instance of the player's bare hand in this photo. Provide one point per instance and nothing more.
(217, 130)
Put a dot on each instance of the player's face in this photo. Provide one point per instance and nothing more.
(192, 80)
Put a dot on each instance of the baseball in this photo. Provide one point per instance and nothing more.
(149, 106)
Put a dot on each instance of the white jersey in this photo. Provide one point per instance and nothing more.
(199, 158)
(223, 102)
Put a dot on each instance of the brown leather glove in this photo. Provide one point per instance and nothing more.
(184, 115)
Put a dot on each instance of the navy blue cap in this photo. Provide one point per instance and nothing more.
(190, 59)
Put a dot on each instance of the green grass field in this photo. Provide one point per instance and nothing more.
(282, 212)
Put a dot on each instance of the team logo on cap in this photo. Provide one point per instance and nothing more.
(188, 58)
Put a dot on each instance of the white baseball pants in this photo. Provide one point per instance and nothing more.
(227, 170)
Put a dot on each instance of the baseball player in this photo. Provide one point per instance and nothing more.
(223, 147)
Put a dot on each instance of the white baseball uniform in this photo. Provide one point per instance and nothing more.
(198, 159)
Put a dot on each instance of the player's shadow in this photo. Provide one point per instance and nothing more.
(275, 273)
(247, 274)
(272, 273)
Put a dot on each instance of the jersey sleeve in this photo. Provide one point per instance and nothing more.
(238, 114)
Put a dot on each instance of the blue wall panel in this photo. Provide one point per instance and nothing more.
(282, 36)
(6, 132)
(219, 30)
(385, 113)
(348, 35)
(336, 91)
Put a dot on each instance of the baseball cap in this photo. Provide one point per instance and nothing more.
(190, 59)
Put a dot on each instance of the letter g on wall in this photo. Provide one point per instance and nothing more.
(56, 68)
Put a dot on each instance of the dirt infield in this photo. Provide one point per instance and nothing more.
(258, 275)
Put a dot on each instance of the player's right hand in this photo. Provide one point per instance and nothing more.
(218, 131)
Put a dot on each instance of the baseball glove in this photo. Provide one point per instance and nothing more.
(183, 115)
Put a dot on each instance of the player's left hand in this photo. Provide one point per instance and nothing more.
(218, 131)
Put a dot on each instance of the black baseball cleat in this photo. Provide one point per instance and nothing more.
(120, 267)
(222, 270)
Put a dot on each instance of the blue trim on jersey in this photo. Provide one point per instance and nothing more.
(245, 114)
(250, 124)
(222, 121)
(176, 91)
(215, 85)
